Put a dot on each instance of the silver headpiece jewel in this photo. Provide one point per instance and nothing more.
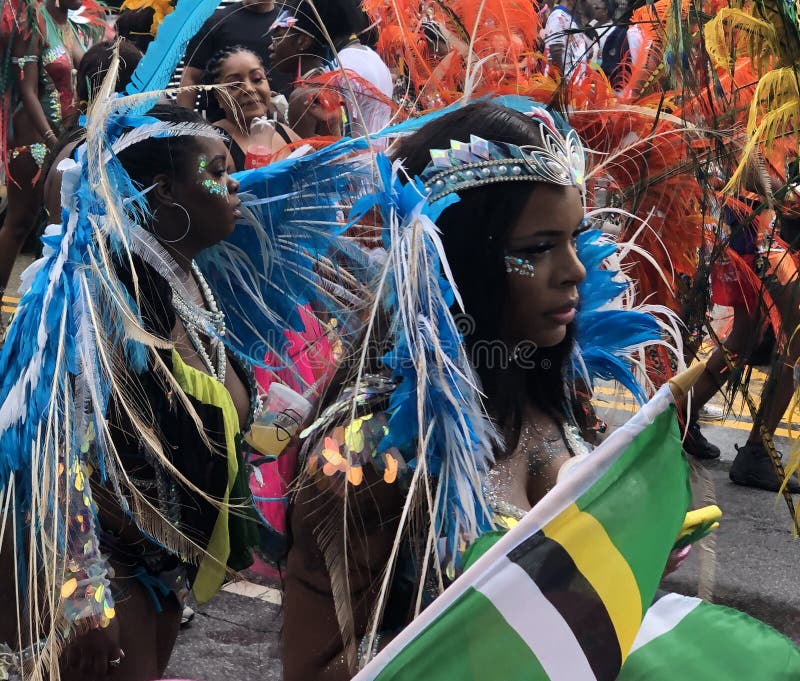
(558, 160)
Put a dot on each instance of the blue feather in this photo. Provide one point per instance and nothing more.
(163, 54)
(459, 448)
(605, 337)
(265, 271)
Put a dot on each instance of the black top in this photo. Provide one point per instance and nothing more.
(237, 25)
(183, 443)
(238, 155)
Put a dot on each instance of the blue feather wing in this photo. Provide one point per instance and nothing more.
(162, 56)
(606, 337)
(264, 272)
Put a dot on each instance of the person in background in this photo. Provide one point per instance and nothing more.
(246, 100)
(602, 22)
(561, 37)
(615, 53)
(247, 23)
(135, 26)
(45, 48)
(305, 48)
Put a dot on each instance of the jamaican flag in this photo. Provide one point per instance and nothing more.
(563, 594)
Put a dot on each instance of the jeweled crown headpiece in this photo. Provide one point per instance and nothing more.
(557, 160)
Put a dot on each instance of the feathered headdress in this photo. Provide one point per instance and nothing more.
(451, 49)
(768, 35)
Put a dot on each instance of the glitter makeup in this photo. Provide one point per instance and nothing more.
(519, 266)
(211, 186)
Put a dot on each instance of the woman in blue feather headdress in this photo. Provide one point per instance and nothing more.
(492, 309)
(140, 463)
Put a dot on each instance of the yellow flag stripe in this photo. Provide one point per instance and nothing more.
(604, 567)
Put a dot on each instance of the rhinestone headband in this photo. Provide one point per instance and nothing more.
(558, 160)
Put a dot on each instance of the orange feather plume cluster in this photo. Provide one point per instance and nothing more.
(475, 46)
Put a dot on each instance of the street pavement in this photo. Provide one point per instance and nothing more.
(750, 564)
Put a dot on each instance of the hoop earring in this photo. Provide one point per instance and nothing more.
(188, 226)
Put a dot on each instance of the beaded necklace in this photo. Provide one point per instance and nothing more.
(205, 318)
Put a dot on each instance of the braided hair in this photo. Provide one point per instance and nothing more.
(211, 74)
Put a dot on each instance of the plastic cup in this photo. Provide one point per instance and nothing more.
(284, 411)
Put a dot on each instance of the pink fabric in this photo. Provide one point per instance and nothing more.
(314, 364)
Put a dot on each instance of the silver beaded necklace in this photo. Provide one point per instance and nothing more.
(206, 319)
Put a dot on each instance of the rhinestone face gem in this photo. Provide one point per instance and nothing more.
(521, 266)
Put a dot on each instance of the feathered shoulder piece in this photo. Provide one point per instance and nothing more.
(435, 417)
(613, 335)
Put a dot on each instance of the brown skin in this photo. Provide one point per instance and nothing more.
(545, 236)
(291, 52)
(146, 636)
(600, 11)
(30, 126)
(193, 76)
(740, 343)
(247, 98)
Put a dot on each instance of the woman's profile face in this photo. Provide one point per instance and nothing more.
(287, 45)
(208, 193)
(250, 90)
(545, 271)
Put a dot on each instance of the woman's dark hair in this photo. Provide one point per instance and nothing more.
(474, 234)
(134, 25)
(95, 63)
(341, 18)
(211, 73)
(171, 155)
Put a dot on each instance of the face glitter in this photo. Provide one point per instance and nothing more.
(214, 188)
(211, 186)
(519, 266)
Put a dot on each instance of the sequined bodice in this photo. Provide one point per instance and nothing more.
(56, 90)
(538, 451)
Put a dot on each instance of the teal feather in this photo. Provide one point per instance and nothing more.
(178, 28)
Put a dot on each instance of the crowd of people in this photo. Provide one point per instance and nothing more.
(326, 286)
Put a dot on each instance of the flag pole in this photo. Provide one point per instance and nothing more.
(682, 384)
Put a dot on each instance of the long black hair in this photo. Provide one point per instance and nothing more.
(474, 234)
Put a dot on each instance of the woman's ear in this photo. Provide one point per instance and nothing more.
(161, 194)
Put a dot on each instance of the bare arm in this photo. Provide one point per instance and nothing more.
(191, 76)
(28, 80)
(314, 569)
